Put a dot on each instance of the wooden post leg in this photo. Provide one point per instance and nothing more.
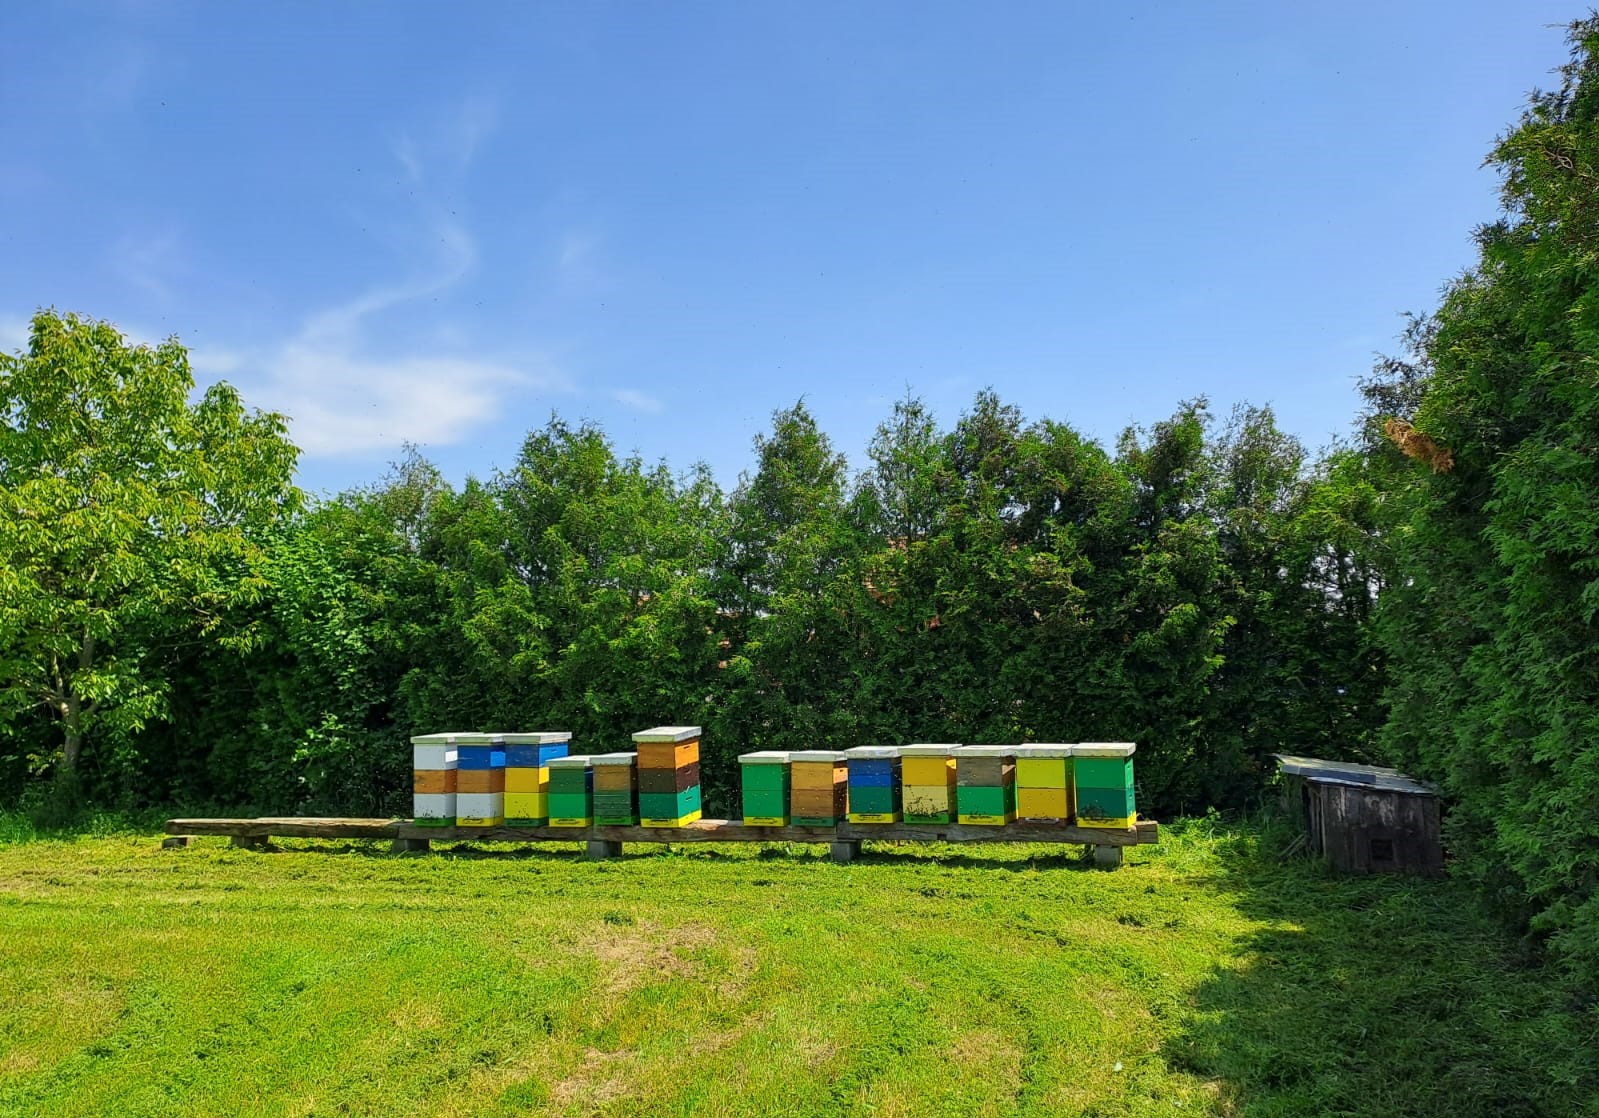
(410, 845)
(249, 842)
(176, 842)
(604, 848)
(846, 850)
(1107, 857)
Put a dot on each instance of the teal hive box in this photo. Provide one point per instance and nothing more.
(668, 805)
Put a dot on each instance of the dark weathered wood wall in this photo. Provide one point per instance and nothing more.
(1374, 830)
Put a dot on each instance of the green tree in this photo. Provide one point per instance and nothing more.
(1485, 448)
(129, 519)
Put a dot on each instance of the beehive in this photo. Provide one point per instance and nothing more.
(616, 790)
(527, 775)
(433, 760)
(1044, 783)
(668, 775)
(764, 782)
(1103, 773)
(985, 784)
(818, 788)
(927, 774)
(874, 784)
(479, 781)
(571, 791)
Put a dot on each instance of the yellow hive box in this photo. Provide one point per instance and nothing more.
(527, 805)
(585, 822)
(927, 770)
(1042, 772)
(986, 820)
(684, 821)
(480, 820)
(1042, 803)
(527, 780)
(1126, 824)
(874, 817)
(921, 799)
(765, 821)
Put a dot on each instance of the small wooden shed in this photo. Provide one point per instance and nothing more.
(1363, 818)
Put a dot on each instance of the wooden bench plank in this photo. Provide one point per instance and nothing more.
(703, 830)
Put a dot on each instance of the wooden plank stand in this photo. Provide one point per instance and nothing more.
(844, 840)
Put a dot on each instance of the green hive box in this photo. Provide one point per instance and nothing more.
(764, 780)
(978, 800)
(872, 800)
(766, 771)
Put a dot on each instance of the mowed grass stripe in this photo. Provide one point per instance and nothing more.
(319, 979)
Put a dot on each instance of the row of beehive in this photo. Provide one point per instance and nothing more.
(987, 785)
(532, 780)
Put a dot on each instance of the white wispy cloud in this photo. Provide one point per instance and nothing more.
(150, 260)
(346, 386)
(638, 401)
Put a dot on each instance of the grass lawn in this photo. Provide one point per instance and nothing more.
(1204, 977)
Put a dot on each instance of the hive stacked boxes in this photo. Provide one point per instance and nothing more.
(928, 775)
(527, 775)
(1044, 783)
(819, 788)
(668, 775)
(616, 790)
(479, 781)
(985, 784)
(1103, 773)
(764, 781)
(571, 791)
(874, 784)
(433, 760)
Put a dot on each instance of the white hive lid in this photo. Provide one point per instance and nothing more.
(667, 734)
(872, 753)
(988, 751)
(534, 737)
(816, 755)
(609, 758)
(1042, 751)
(1104, 749)
(581, 761)
(764, 757)
(454, 738)
(922, 750)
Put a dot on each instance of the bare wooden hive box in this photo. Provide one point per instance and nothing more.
(1364, 818)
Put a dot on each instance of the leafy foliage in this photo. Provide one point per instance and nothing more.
(1490, 552)
(130, 521)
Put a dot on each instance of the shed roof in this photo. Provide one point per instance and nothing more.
(1344, 772)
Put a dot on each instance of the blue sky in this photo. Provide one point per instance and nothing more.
(438, 223)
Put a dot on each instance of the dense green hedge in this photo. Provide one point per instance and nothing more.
(1490, 533)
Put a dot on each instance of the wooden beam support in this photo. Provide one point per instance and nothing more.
(1107, 857)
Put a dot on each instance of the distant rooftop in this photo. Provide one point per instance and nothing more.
(1344, 772)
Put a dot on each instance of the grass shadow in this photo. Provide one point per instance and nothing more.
(1380, 995)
